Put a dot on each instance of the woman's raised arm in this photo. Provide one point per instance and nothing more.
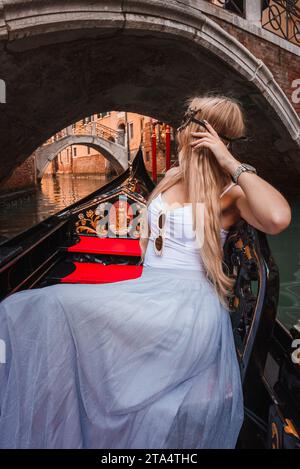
(258, 202)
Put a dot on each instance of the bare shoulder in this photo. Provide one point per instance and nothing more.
(229, 205)
(232, 195)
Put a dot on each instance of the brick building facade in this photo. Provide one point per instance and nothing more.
(81, 159)
(283, 64)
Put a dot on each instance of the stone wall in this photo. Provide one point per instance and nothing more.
(88, 165)
(284, 65)
(23, 177)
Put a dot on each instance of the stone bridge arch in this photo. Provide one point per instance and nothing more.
(62, 61)
(114, 152)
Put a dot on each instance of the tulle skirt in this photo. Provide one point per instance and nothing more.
(141, 363)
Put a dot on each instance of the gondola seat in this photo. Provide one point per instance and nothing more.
(112, 246)
(89, 272)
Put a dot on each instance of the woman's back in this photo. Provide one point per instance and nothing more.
(180, 247)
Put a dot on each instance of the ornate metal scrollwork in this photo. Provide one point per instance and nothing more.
(115, 212)
(87, 222)
(282, 17)
(247, 266)
(116, 216)
(282, 432)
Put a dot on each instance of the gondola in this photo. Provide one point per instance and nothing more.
(81, 244)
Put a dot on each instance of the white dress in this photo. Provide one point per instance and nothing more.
(142, 363)
(180, 248)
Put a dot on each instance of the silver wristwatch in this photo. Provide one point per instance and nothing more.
(240, 169)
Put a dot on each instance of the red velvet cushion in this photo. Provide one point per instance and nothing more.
(116, 246)
(99, 273)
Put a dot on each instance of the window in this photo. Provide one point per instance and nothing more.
(88, 150)
(74, 151)
(147, 156)
(130, 129)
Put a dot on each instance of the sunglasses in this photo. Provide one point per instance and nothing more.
(158, 242)
(189, 117)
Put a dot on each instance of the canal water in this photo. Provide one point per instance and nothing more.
(54, 195)
(285, 248)
(57, 193)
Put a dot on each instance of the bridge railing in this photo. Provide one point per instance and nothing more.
(283, 18)
(93, 128)
(280, 17)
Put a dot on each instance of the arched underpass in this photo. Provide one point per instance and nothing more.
(62, 61)
(116, 154)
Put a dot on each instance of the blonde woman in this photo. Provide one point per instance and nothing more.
(147, 362)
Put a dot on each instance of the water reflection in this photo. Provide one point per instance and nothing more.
(286, 251)
(53, 195)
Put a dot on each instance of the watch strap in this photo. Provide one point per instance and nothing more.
(240, 169)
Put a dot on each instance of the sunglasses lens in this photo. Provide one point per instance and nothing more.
(161, 220)
(158, 243)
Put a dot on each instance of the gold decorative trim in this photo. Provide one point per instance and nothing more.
(87, 222)
(275, 436)
(290, 428)
(118, 222)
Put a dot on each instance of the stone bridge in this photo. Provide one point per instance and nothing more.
(62, 61)
(108, 142)
(114, 152)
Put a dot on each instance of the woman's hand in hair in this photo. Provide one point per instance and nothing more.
(211, 140)
(274, 214)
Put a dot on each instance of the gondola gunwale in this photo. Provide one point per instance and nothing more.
(138, 168)
(258, 312)
(56, 226)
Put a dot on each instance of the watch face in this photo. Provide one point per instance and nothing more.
(248, 166)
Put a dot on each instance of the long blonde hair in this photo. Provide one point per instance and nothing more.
(204, 179)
